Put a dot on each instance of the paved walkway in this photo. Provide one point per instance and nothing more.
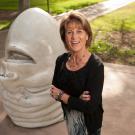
(118, 95)
(102, 8)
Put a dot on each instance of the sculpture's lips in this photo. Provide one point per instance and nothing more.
(3, 77)
(9, 76)
(39, 89)
(4, 74)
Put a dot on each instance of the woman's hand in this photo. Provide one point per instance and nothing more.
(54, 92)
(58, 94)
(85, 96)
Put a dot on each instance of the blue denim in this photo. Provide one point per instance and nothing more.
(98, 132)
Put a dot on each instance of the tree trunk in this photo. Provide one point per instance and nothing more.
(48, 6)
(23, 4)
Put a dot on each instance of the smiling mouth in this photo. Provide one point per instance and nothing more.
(75, 43)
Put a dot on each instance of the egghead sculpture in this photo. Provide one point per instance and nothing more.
(32, 46)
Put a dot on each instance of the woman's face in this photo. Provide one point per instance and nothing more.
(75, 37)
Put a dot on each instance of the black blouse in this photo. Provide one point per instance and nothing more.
(90, 78)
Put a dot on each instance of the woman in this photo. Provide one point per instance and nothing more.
(78, 78)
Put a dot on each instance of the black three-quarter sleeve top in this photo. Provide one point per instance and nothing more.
(88, 78)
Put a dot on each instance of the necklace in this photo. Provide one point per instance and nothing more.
(73, 64)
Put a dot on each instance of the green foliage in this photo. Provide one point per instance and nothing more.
(8, 4)
(111, 39)
(108, 52)
(4, 24)
(114, 21)
(64, 6)
(56, 6)
(100, 46)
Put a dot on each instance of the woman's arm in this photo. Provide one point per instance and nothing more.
(58, 94)
(95, 87)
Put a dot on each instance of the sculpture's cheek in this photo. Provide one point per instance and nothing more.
(25, 75)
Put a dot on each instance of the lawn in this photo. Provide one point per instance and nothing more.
(114, 36)
(4, 24)
(56, 6)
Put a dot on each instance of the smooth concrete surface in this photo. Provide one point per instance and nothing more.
(118, 102)
(7, 128)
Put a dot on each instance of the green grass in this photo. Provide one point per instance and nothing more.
(8, 4)
(114, 21)
(113, 54)
(4, 24)
(66, 5)
(105, 47)
(118, 50)
(56, 6)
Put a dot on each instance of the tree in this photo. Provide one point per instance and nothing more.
(48, 6)
(23, 4)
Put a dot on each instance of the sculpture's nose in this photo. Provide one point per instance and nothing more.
(4, 73)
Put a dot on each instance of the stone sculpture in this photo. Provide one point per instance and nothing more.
(32, 46)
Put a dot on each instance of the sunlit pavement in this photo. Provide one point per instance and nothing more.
(118, 102)
(100, 9)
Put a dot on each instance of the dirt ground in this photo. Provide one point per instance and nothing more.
(8, 15)
(121, 42)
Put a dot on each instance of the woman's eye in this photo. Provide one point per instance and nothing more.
(79, 31)
(68, 32)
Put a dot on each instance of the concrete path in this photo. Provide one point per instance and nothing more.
(102, 8)
(118, 101)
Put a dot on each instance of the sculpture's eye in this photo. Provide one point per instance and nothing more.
(16, 56)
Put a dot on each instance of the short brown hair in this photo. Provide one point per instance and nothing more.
(75, 16)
